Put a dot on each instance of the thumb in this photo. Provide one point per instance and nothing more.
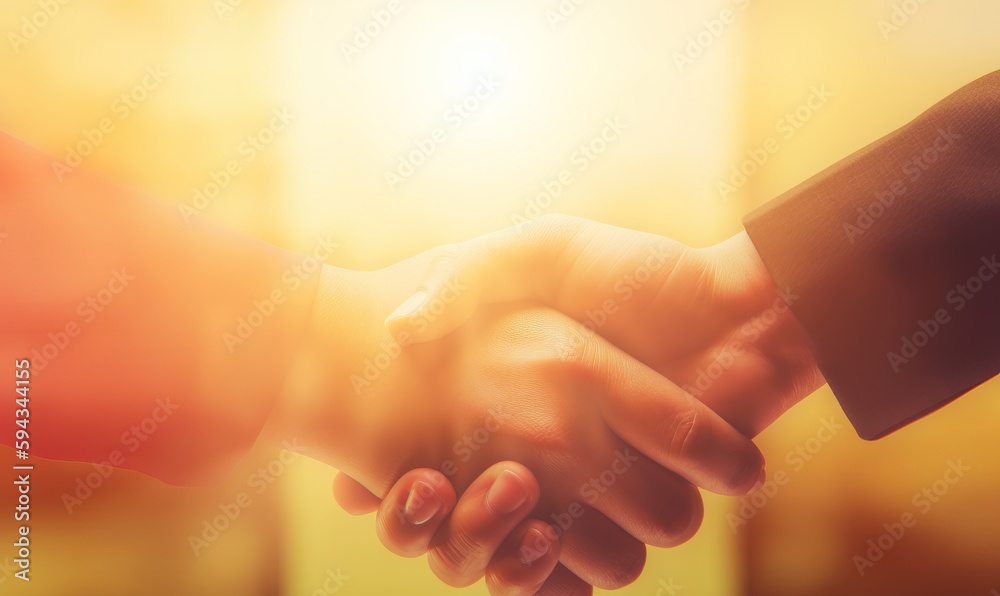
(508, 265)
(448, 295)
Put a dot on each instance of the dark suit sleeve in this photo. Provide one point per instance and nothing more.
(894, 252)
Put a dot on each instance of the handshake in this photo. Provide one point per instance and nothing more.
(538, 404)
(620, 370)
(575, 383)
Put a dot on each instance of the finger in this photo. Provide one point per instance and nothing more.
(517, 263)
(557, 260)
(667, 424)
(655, 505)
(524, 560)
(753, 392)
(352, 496)
(413, 511)
(562, 582)
(448, 295)
(595, 548)
(490, 509)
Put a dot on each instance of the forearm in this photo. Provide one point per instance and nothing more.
(878, 243)
(154, 341)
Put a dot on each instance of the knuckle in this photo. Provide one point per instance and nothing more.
(445, 254)
(565, 364)
(573, 361)
(690, 435)
(449, 261)
(554, 439)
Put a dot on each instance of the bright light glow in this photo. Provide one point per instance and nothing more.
(363, 116)
(471, 55)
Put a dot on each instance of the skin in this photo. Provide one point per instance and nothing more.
(709, 319)
(675, 308)
(505, 387)
(515, 554)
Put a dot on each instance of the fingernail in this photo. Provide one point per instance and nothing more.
(422, 504)
(760, 481)
(409, 306)
(507, 494)
(534, 545)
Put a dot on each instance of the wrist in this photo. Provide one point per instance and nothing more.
(774, 318)
(770, 336)
(312, 413)
(335, 406)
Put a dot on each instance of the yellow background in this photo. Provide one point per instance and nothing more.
(228, 69)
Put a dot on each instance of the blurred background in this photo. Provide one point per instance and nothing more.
(394, 126)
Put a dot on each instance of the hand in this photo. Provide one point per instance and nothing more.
(420, 515)
(711, 320)
(503, 388)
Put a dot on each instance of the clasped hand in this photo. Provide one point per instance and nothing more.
(571, 348)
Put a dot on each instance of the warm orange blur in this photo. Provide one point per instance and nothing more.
(451, 121)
